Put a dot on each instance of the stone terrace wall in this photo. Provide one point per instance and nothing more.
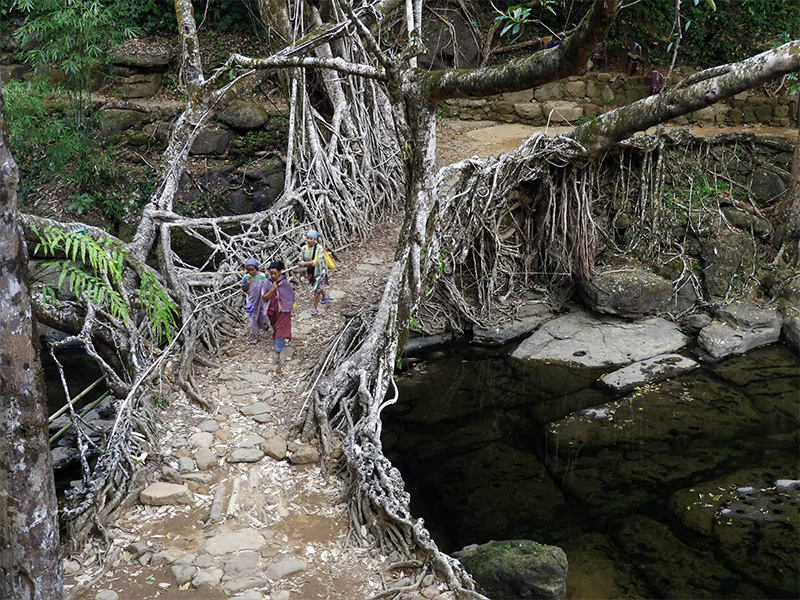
(576, 99)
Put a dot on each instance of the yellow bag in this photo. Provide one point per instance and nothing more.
(328, 260)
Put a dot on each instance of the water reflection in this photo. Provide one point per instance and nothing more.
(635, 489)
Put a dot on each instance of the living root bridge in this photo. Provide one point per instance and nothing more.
(534, 219)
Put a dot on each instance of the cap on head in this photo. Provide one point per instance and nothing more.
(312, 233)
(251, 262)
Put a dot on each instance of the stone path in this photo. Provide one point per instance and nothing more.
(240, 509)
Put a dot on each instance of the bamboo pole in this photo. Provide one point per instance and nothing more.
(66, 427)
(64, 408)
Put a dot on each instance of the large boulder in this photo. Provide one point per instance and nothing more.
(242, 114)
(767, 185)
(139, 85)
(519, 569)
(581, 338)
(727, 257)
(114, 121)
(212, 140)
(742, 327)
(629, 292)
(449, 41)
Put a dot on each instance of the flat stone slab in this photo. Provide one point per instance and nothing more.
(274, 447)
(337, 294)
(589, 340)
(199, 477)
(242, 563)
(286, 567)
(234, 541)
(161, 494)
(647, 371)
(255, 409)
(235, 585)
(201, 440)
(209, 578)
(251, 441)
(246, 455)
(367, 267)
(721, 340)
(205, 459)
(209, 426)
(511, 330)
(256, 377)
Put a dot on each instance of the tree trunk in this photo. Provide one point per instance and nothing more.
(29, 541)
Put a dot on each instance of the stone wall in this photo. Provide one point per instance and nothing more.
(576, 99)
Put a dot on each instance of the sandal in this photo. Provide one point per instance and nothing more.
(253, 342)
(314, 313)
(324, 300)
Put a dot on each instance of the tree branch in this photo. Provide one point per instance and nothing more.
(539, 68)
(698, 91)
(335, 64)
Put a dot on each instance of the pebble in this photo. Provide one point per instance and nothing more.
(198, 477)
(240, 585)
(256, 377)
(205, 459)
(227, 410)
(253, 595)
(161, 558)
(186, 559)
(255, 409)
(209, 426)
(243, 563)
(171, 475)
(201, 440)
(185, 465)
(246, 455)
(304, 455)
(274, 447)
(223, 435)
(234, 541)
(182, 574)
(204, 561)
(106, 595)
(71, 567)
(160, 494)
(285, 568)
(251, 441)
(210, 578)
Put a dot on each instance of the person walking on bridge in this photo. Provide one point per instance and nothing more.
(312, 257)
(254, 285)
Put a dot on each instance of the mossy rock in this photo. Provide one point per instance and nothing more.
(519, 569)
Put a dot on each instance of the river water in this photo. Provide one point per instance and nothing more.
(669, 492)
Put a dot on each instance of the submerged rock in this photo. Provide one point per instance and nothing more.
(517, 569)
(652, 370)
(629, 292)
(588, 340)
(755, 528)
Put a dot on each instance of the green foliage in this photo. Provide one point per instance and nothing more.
(159, 308)
(734, 31)
(93, 267)
(49, 147)
(515, 18)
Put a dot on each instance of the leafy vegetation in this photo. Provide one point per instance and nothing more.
(50, 147)
(94, 268)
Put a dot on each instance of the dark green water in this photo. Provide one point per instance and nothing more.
(647, 493)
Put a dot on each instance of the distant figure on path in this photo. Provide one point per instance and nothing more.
(280, 302)
(254, 285)
(312, 257)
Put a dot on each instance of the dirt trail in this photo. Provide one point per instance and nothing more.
(458, 140)
(287, 524)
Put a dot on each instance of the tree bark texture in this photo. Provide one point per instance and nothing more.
(29, 544)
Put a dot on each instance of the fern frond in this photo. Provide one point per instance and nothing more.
(161, 312)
